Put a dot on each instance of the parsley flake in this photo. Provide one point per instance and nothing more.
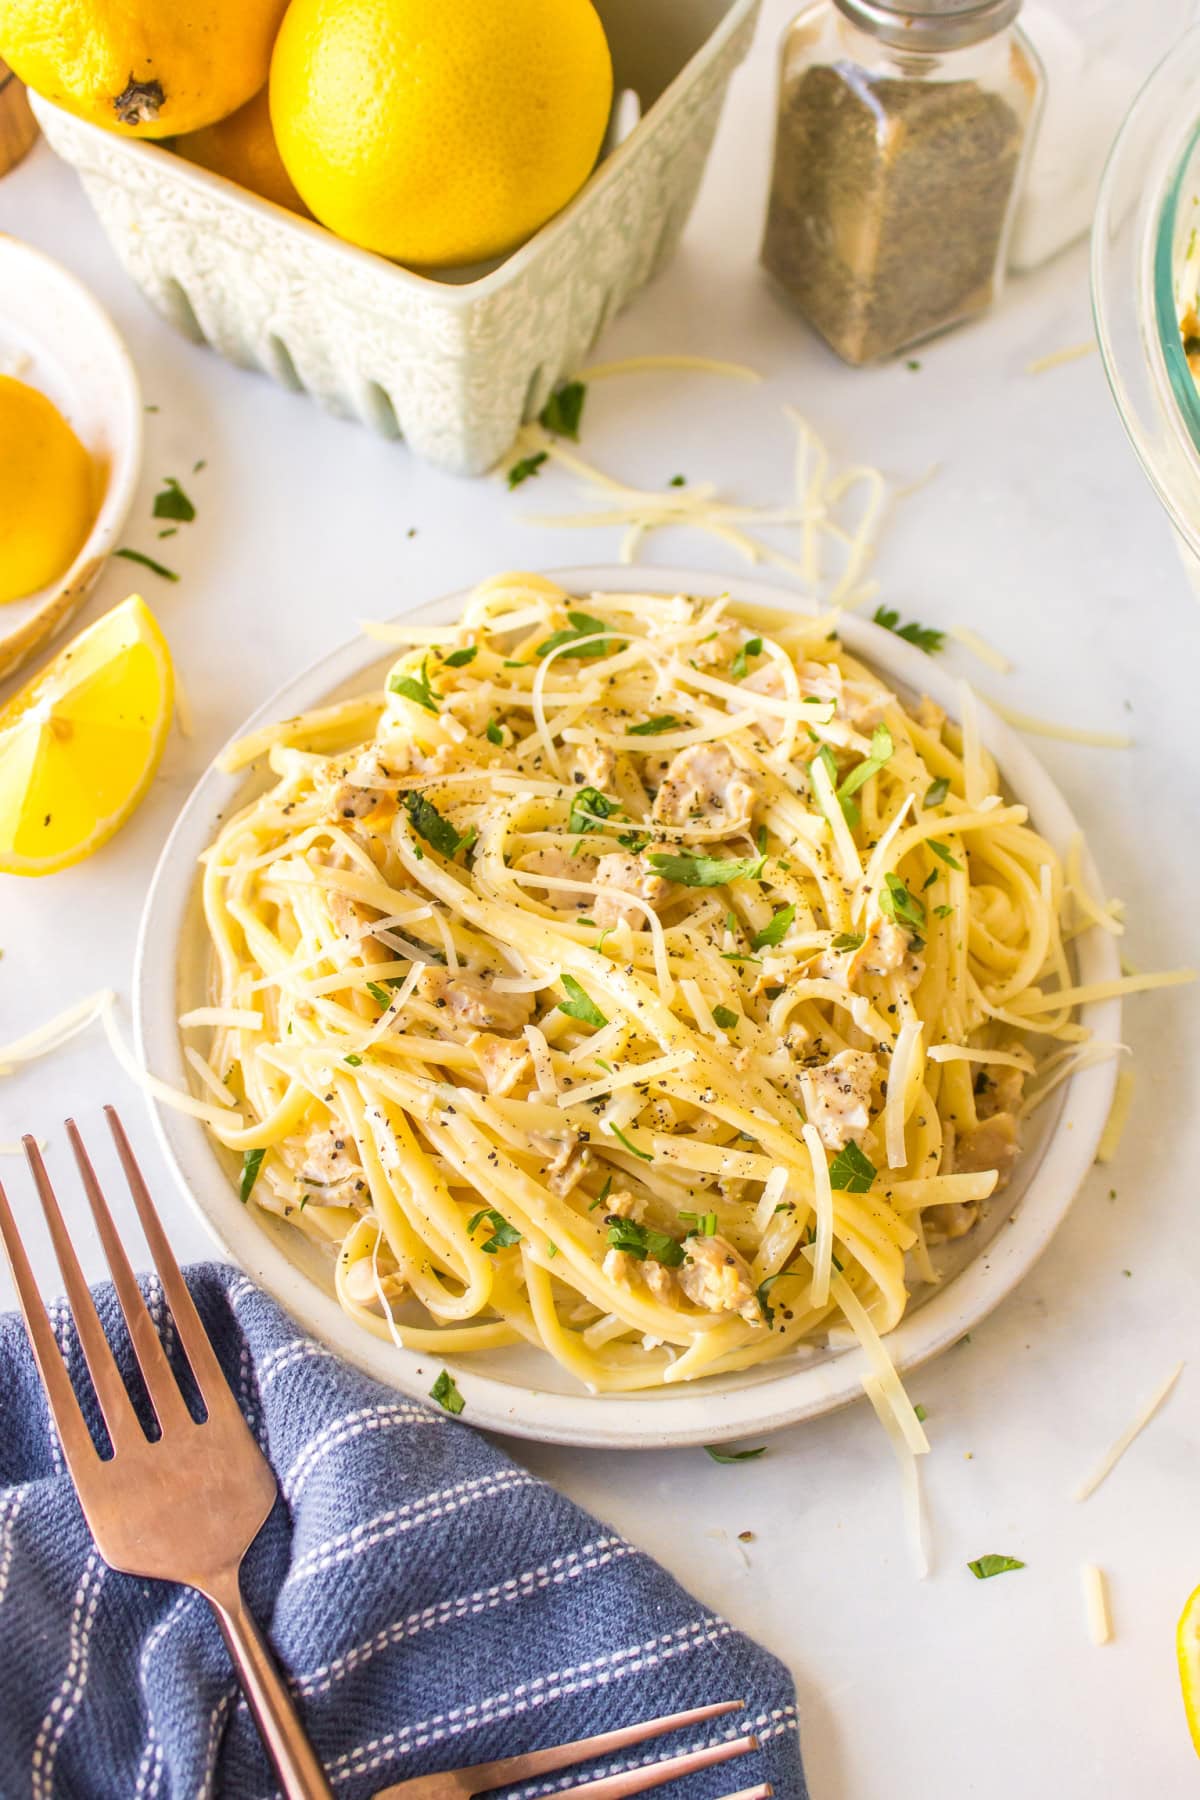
(578, 1004)
(445, 1392)
(589, 809)
(941, 850)
(848, 940)
(705, 871)
(525, 469)
(416, 690)
(564, 410)
(925, 637)
(725, 1017)
(503, 1234)
(493, 733)
(778, 928)
(582, 625)
(148, 562)
(851, 1170)
(983, 1566)
(458, 659)
(172, 503)
(734, 1456)
(936, 792)
(752, 647)
(429, 824)
(652, 727)
(251, 1164)
(642, 1241)
(642, 1155)
(896, 903)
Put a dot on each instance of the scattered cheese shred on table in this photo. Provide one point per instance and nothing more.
(1095, 1600)
(1138, 1425)
(1056, 358)
(1068, 734)
(979, 647)
(910, 1474)
(1118, 1118)
(54, 1033)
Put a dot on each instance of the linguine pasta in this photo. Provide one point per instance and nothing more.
(639, 977)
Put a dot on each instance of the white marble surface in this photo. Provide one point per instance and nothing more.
(1039, 530)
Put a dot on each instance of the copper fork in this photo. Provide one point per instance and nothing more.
(482, 1778)
(133, 1500)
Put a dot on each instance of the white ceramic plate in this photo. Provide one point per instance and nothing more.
(521, 1390)
(54, 336)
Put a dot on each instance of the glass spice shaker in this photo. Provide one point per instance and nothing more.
(899, 149)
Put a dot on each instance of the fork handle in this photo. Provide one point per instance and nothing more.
(300, 1774)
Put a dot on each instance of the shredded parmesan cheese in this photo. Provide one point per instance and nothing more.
(1138, 1425)
(1095, 1601)
(910, 1475)
(1118, 1118)
(971, 640)
(1056, 358)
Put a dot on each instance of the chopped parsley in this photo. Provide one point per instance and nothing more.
(414, 689)
(429, 824)
(734, 1456)
(633, 840)
(379, 993)
(705, 871)
(251, 1164)
(942, 912)
(764, 1289)
(642, 1241)
(946, 856)
(897, 903)
(445, 1392)
(354, 1060)
(563, 410)
(148, 562)
(602, 1196)
(458, 659)
(677, 481)
(921, 1414)
(173, 503)
(882, 747)
(652, 727)
(493, 733)
(848, 940)
(925, 637)
(776, 930)
(578, 1004)
(523, 470)
(703, 1224)
(751, 647)
(503, 1235)
(936, 792)
(725, 1017)
(851, 1170)
(589, 809)
(642, 1155)
(582, 625)
(983, 1566)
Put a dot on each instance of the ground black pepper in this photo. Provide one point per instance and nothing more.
(889, 203)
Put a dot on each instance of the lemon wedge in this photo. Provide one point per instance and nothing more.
(1187, 1642)
(79, 744)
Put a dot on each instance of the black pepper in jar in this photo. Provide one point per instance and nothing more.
(893, 186)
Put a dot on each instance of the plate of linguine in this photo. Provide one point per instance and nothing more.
(640, 1009)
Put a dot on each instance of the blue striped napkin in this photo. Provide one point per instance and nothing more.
(432, 1603)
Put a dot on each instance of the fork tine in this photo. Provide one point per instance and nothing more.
(639, 1781)
(157, 1373)
(210, 1378)
(64, 1407)
(533, 1763)
(111, 1392)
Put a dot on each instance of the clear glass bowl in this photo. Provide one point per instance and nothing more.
(1148, 206)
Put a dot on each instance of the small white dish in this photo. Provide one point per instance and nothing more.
(522, 1391)
(54, 336)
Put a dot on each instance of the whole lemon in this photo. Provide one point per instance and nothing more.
(243, 149)
(439, 132)
(148, 68)
(47, 491)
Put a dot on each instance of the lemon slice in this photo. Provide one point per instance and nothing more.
(79, 744)
(1187, 1642)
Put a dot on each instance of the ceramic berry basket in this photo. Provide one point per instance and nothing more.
(451, 366)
